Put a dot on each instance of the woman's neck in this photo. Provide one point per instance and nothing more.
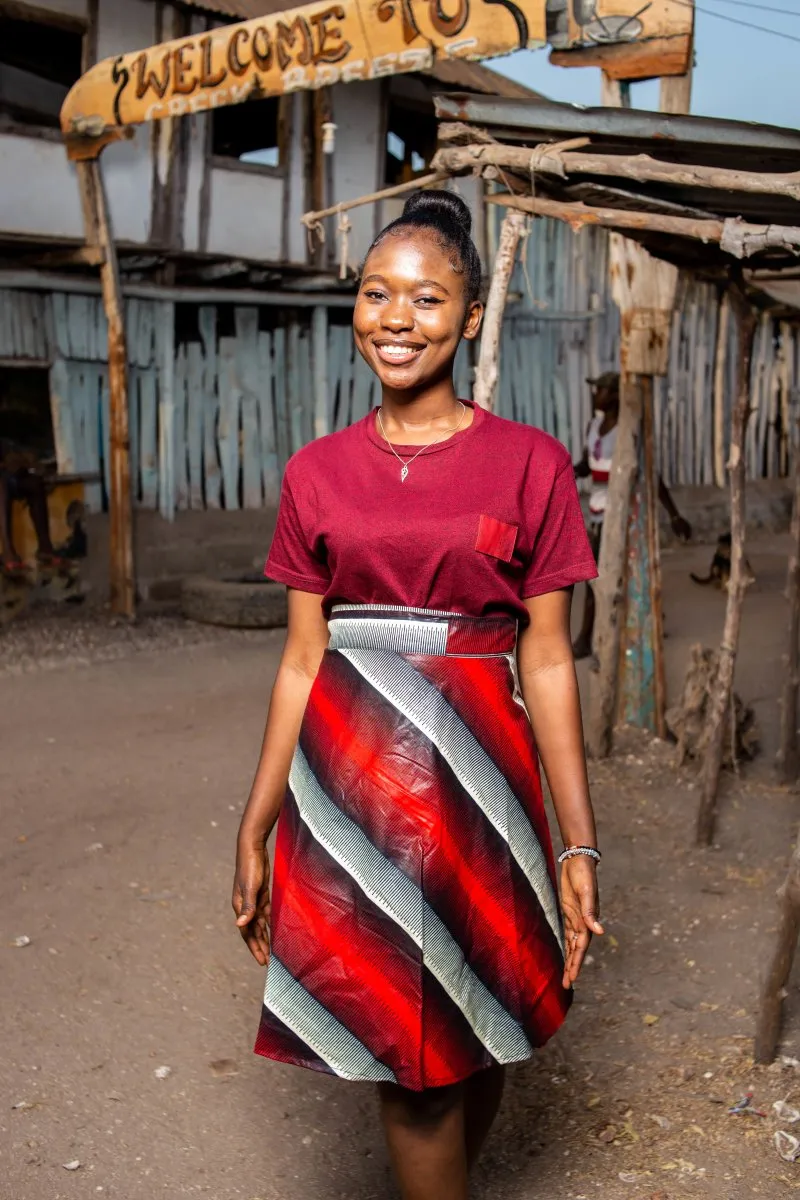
(415, 419)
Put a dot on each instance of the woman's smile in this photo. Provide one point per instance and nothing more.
(398, 354)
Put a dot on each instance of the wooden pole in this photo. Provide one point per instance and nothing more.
(609, 588)
(720, 358)
(97, 225)
(562, 161)
(720, 697)
(768, 1027)
(789, 754)
(654, 559)
(486, 374)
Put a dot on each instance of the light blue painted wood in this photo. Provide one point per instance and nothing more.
(247, 372)
(267, 423)
(104, 402)
(362, 389)
(321, 382)
(60, 324)
(207, 322)
(294, 398)
(347, 353)
(305, 401)
(229, 408)
(181, 468)
(133, 432)
(63, 415)
(194, 422)
(79, 314)
(281, 398)
(166, 411)
(148, 437)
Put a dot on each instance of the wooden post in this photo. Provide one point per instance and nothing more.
(789, 754)
(722, 687)
(770, 1011)
(486, 374)
(609, 589)
(627, 634)
(97, 225)
(641, 659)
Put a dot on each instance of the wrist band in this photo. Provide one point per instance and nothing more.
(574, 851)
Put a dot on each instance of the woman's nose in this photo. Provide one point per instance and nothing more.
(398, 315)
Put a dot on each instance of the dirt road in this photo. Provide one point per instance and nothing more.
(122, 783)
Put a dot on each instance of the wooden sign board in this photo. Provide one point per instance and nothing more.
(318, 45)
(627, 39)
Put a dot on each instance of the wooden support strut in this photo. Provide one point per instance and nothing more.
(721, 692)
(789, 751)
(98, 233)
(639, 167)
(486, 375)
(609, 588)
(738, 238)
(771, 1008)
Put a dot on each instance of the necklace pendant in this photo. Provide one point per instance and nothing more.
(403, 473)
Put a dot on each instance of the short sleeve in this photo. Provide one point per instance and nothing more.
(293, 558)
(562, 555)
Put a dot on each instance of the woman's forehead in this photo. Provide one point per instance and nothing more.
(412, 255)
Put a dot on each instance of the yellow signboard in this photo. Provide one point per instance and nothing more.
(315, 46)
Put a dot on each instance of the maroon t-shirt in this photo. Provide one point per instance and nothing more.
(484, 519)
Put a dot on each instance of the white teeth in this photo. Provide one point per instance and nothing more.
(398, 351)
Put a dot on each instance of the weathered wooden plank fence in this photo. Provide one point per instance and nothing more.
(217, 411)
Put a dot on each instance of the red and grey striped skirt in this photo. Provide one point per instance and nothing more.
(416, 931)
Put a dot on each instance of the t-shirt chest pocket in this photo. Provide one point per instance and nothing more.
(496, 539)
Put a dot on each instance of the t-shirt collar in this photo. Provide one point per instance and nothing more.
(374, 433)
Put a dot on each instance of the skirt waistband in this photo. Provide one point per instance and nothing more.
(419, 631)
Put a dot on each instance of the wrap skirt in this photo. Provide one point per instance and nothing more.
(416, 935)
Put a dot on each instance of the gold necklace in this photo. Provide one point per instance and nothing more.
(406, 463)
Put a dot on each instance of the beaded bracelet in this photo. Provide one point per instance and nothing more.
(573, 851)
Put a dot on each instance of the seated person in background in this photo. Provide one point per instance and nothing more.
(20, 480)
(598, 453)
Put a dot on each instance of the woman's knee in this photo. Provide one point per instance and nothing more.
(420, 1110)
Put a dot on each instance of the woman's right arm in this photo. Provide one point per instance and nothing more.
(306, 640)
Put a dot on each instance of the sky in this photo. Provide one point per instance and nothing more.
(739, 73)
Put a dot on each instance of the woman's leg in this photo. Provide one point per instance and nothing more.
(425, 1134)
(483, 1092)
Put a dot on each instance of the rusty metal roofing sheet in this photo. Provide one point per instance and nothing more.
(687, 140)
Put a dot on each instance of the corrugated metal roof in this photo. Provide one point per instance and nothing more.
(687, 140)
(450, 72)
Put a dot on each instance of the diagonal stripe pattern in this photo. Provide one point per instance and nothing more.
(418, 700)
(416, 935)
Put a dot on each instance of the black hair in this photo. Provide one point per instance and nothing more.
(447, 217)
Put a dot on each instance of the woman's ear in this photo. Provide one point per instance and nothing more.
(472, 321)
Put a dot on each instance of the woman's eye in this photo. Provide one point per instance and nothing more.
(374, 295)
(428, 301)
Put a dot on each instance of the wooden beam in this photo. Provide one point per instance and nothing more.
(648, 59)
(98, 225)
(738, 238)
(721, 694)
(789, 753)
(552, 160)
(768, 1027)
(610, 587)
(486, 374)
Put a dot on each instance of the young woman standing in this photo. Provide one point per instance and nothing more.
(415, 937)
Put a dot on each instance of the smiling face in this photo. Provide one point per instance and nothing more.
(411, 312)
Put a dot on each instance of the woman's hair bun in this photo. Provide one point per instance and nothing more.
(437, 206)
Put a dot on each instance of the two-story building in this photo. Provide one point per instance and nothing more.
(238, 323)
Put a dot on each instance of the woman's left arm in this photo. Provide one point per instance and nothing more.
(550, 690)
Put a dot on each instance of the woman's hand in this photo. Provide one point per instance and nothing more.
(251, 898)
(581, 907)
